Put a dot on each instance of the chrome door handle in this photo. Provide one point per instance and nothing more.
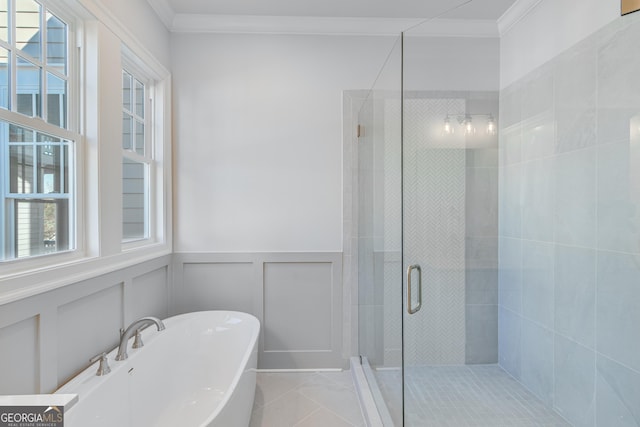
(410, 308)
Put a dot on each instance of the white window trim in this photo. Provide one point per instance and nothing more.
(34, 276)
(11, 267)
(135, 66)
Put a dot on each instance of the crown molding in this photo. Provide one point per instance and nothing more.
(456, 28)
(515, 13)
(253, 24)
(246, 24)
(164, 11)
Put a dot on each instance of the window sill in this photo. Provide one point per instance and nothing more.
(37, 280)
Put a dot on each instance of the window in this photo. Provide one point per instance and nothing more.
(37, 194)
(137, 161)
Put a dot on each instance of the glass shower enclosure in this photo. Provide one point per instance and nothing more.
(497, 234)
(427, 221)
(428, 229)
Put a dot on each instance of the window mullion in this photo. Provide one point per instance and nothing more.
(36, 165)
(149, 133)
(4, 188)
(62, 166)
(13, 60)
(44, 98)
(11, 228)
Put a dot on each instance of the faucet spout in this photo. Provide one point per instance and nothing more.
(135, 326)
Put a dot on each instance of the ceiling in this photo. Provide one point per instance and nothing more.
(423, 9)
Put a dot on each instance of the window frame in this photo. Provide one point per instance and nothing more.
(96, 42)
(139, 71)
(71, 132)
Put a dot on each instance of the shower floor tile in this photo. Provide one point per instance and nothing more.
(309, 399)
(460, 396)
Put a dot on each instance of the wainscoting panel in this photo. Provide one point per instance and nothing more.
(19, 344)
(296, 296)
(300, 291)
(150, 294)
(217, 286)
(77, 335)
(47, 338)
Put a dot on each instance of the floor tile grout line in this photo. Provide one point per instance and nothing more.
(320, 404)
(297, 423)
(316, 379)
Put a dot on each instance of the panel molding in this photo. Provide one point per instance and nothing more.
(44, 308)
(253, 296)
(48, 332)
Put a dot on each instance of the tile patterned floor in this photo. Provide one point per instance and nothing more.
(314, 399)
(461, 396)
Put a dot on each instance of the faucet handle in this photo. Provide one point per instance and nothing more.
(103, 368)
(137, 342)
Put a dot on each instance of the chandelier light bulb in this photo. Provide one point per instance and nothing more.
(468, 126)
(491, 126)
(448, 129)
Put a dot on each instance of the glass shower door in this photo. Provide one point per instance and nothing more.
(450, 228)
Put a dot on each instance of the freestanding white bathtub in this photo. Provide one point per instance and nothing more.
(199, 371)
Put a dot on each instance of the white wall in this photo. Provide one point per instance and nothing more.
(258, 138)
(451, 63)
(550, 27)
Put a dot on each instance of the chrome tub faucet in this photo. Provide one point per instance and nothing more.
(135, 328)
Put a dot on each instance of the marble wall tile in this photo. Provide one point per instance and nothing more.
(617, 395)
(482, 334)
(569, 219)
(538, 194)
(575, 204)
(510, 146)
(482, 157)
(510, 274)
(509, 349)
(537, 92)
(481, 201)
(618, 61)
(619, 197)
(575, 79)
(618, 307)
(510, 209)
(539, 137)
(481, 252)
(481, 286)
(537, 360)
(618, 85)
(575, 294)
(538, 282)
(574, 382)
